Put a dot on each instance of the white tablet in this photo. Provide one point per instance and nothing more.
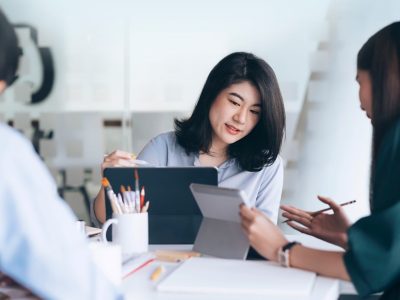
(218, 202)
(220, 233)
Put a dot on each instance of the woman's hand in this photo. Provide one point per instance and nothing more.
(328, 227)
(118, 158)
(263, 235)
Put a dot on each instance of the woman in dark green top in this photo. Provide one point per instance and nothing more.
(372, 245)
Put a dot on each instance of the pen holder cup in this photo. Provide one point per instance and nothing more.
(130, 231)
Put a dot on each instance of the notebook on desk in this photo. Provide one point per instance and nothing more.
(174, 216)
(227, 276)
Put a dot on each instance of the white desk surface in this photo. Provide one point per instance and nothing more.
(139, 285)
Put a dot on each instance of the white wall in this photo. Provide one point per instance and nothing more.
(335, 136)
(146, 55)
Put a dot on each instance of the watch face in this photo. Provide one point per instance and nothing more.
(283, 254)
(283, 258)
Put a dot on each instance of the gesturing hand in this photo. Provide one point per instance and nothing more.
(328, 227)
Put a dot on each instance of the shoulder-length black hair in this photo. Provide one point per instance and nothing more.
(9, 51)
(262, 145)
(380, 57)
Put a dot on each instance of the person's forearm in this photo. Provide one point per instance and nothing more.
(100, 206)
(326, 263)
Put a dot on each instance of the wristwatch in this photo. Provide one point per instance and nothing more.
(283, 254)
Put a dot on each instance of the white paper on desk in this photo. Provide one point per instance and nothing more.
(226, 276)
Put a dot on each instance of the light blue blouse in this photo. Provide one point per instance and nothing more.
(263, 188)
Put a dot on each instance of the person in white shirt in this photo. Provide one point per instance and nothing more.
(40, 247)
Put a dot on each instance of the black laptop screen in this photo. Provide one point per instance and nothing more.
(174, 217)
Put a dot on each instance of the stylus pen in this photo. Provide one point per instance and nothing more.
(133, 155)
(315, 213)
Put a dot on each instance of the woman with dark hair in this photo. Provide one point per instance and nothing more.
(372, 245)
(237, 125)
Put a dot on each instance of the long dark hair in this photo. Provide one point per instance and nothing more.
(9, 51)
(380, 57)
(262, 145)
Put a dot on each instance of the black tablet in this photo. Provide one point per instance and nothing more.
(174, 216)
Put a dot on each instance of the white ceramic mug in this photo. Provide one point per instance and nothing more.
(131, 231)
